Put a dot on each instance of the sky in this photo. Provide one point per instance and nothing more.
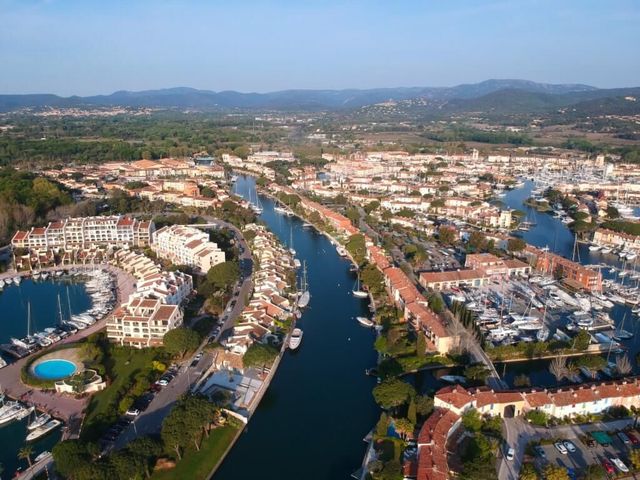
(89, 47)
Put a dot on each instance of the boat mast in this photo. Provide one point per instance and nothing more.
(59, 309)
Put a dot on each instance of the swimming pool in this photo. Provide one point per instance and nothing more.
(54, 369)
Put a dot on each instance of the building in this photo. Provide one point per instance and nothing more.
(609, 238)
(573, 274)
(142, 322)
(86, 232)
(187, 246)
(496, 266)
(445, 280)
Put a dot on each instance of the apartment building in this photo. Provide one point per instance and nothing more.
(86, 232)
(572, 273)
(187, 246)
(143, 322)
(609, 238)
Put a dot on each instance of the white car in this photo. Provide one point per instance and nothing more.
(569, 446)
(619, 465)
(133, 412)
(561, 448)
(510, 454)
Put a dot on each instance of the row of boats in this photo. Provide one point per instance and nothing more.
(99, 286)
(39, 425)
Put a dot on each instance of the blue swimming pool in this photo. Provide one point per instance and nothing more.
(54, 369)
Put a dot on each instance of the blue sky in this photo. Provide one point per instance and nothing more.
(90, 47)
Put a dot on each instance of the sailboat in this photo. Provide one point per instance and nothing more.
(291, 249)
(621, 334)
(303, 301)
(357, 292)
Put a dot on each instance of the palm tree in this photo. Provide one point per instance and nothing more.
(558, 368)
(25, 454)
(623, 365)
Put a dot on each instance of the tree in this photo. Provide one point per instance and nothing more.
(146, 449)
(424, 405)
(259, 356)
(472, 420)
(476, 242)
(404, 427)
(436, 303)
(555, 472)
(623, 365)
(393, 393)
(180, 340)
(582, 340)
(612, 212)
(223, 275)
(516, 244)
(421, 345)
(537, 417)
(447, 235)
(412, 412)
(25, 454)
(477, 372)
(595, 472)
(528, 472)
(371, 206)
(592, 363)
(382, 425)
(392, 470)
(70, 456)
(558, 368)
(634, 456)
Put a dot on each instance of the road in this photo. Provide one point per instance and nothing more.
(150, 420)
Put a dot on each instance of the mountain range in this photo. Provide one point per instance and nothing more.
(498, 96)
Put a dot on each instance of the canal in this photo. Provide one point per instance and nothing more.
(552, 233)
(312, 420)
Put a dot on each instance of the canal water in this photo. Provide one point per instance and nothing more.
(312, 420)
(14, 300)
(551, 232)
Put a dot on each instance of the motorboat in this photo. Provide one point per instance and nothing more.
(453, 379)
(543, 334)
(605, 250)
(594, 248)
(622, 335)
(43, 430)
(365, 322)
(296, 339)
(13, 411)
(341, 251)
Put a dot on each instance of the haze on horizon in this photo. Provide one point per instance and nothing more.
(76, 47)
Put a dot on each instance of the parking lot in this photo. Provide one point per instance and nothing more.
(588, 452)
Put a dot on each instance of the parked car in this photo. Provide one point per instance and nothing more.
(619, 464)
(569, 446)
(540, 452)
(608, 466)
(163, 382)
(634, 440)
(510, 454)
(625, 439)
(561, 448)
(133, 412)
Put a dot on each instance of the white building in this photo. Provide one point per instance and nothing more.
(187, 246)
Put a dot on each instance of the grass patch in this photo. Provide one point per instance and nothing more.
(197, 465)
(122, 365)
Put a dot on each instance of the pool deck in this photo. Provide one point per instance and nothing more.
(64, 407)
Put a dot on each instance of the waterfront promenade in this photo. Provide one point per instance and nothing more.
(65, 407)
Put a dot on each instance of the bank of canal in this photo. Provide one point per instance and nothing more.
(312, 420)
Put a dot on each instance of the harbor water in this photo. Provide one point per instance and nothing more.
(14, 301)
(319, 407)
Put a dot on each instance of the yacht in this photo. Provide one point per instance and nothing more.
(453, 379)
(13, 411)
(279, 209)
(605, 250)
(365, 322)
(594, 248)
(296, 339)
(341, 251)
(303, 301)
(38, 421)
(43, 430)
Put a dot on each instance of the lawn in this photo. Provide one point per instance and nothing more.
(122, 365)
(197, 465)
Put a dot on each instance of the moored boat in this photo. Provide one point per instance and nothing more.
(365, 322)
(296, 339)
(43, 430)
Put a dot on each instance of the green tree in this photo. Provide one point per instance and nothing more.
(146, 449)
(477, 372)
(555, 472)
(436, 303)
(71, 456)
(223, 275)
(472, 420)
(404, 427)
(393, 393)
(582, 340)
(447, 235)
(412, 412)
(180, 340)
(477, 242)
(371, 206)
(595, 472)
(516, 244)
(424, 405)
(528, 472)
(421, 345)
(634, 456)
(382, 425)
(259, 356)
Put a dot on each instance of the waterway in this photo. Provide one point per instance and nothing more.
(14, 300)
(314, 416)
(552, 233)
